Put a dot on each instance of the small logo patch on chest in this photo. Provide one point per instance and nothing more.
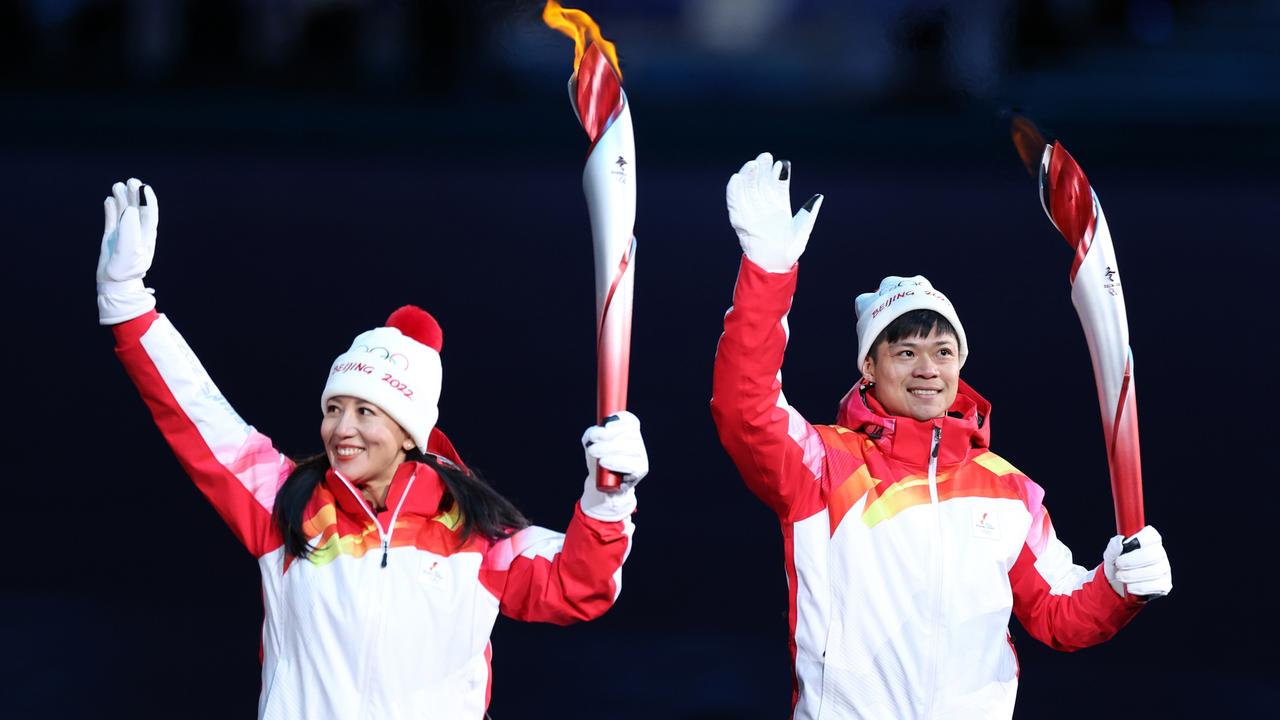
(434, 572)
(984, 523)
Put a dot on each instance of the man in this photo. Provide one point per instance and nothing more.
(908, 542)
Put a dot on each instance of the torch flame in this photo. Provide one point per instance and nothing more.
(1029, 142)
(579, 26)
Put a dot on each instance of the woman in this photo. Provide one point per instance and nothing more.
(384, 560)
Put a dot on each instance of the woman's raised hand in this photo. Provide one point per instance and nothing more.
(128, 245)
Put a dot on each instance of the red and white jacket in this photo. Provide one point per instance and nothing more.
(389, 618)
(907, 543)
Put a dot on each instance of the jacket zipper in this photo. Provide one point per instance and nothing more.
(375, 618)
(385, 537)
(938, 570)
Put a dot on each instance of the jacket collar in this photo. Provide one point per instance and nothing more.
(424, 493)
(966, 425)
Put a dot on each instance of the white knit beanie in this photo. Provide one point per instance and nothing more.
(896, 297)
(397, 368)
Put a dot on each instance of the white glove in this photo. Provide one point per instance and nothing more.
(128, 245)
(759, 200)
(618, 446)
(1143, 571)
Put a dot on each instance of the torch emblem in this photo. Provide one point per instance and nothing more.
(598, 101)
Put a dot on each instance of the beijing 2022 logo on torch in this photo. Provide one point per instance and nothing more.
(1112, 285)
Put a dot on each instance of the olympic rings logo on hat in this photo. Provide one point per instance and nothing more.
(397, 359)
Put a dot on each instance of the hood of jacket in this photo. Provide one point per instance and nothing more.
(966, 425)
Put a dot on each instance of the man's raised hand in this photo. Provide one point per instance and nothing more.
(759, 200)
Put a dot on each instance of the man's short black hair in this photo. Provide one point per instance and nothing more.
(916, 323)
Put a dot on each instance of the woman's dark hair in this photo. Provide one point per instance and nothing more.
(916, 323)
(480, 508)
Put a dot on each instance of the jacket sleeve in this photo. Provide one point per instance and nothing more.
(1060, 603)
(235, 467)
(778, 453)
(540, 575)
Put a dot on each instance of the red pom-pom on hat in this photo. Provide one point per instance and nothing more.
(414, 322)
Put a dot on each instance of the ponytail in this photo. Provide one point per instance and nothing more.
(483, 510)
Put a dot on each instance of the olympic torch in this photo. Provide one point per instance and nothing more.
(1096, 292)
(609, 182)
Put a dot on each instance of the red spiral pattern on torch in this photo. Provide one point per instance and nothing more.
(612, 361)
(1071, 203)
(1124, 460)
(599, 94)
(608, 298)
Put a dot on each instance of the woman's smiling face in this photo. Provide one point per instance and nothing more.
(362, 442)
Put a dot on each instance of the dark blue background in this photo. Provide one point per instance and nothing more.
(304, 200)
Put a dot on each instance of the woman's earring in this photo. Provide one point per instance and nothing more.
(866, 383)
